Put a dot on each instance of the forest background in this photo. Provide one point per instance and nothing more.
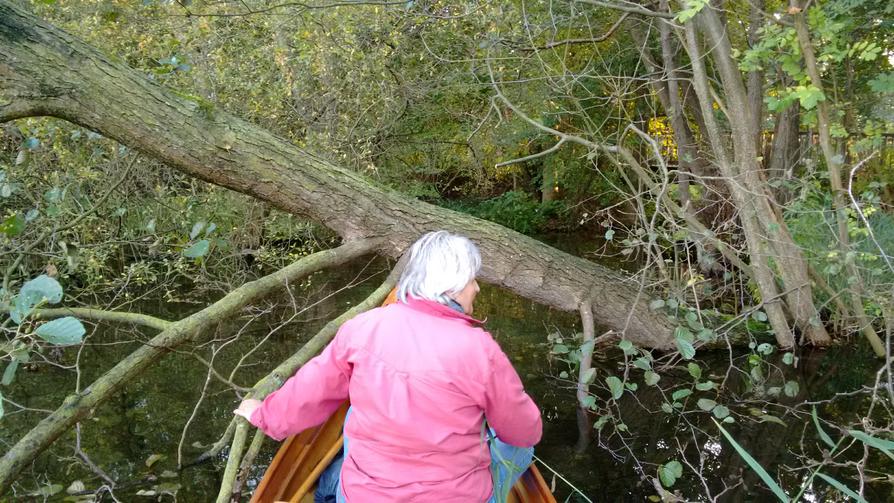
(719, 177)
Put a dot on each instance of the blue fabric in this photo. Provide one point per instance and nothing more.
(329, 482)
(507, 464)
(455, 306)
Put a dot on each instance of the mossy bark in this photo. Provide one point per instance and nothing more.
(47, 72)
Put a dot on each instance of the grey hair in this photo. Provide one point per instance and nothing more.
(440, 264)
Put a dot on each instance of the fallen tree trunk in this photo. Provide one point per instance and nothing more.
(46, 72)
(79, 406)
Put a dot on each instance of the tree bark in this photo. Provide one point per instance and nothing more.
(765, 230)
(47, 72)
(833, 165)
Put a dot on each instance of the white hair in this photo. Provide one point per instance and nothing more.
(440, 264)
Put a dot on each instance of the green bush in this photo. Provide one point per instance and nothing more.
(516, 210)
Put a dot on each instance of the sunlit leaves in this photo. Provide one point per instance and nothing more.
(13, 225)
(691, 8)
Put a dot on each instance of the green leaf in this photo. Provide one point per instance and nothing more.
(63, 331)
(694, 370)
(50, 490)
(652, 378)
(759, 316)
(819, 429)
(10, 373)
(643, 363)
(883, 445)
(720, 411)
(769, 418)
(670, 472)
(883, 83)
(588, 375)
(198, 249)
(809, 96)
(683, 333)
(666, 407)
(609, 234)
(563, 375)
(600, 423)
(768, 480)
(656, 304)
(791, 389)
(615, 386)
(843, 489)
(680, 394)
(686, 349)
(13, 226)
(1, 405)
(589, 402)
(705, 386)
(40, 289)
(154, 458)
(627, 347)
(765, 348)
(706, 335)
(196, 229)
(788, 358)
(560, 349)
(706, 404)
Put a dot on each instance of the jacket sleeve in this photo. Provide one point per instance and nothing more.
(310, 396)
(512, 414)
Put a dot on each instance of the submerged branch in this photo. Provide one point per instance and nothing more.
(78, 406)
(272, 381)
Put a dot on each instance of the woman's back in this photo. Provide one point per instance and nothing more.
(422, 377)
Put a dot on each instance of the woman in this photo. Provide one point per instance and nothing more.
(422, 377)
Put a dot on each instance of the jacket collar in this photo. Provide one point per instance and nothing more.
(437, 309)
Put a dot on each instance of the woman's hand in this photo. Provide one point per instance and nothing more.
(247, 407)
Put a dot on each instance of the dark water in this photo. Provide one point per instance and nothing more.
(147, 418)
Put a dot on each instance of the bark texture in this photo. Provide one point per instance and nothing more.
(47, 72)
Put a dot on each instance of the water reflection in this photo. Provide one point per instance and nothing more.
(147, 417)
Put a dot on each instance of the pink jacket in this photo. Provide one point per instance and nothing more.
(421, 378)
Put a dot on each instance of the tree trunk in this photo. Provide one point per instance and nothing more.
(47, 72)
(785, 151)
(766, 231)
(833, 165)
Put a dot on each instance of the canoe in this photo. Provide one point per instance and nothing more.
(293, 473)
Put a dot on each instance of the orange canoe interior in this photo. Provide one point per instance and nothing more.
(293, 473)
